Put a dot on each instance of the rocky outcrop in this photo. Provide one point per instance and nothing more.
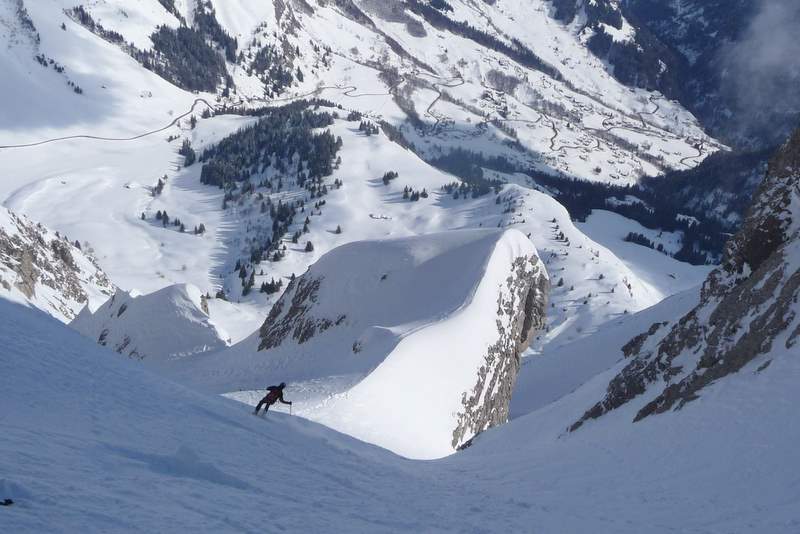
(45, 270)
(292, 316)
(748, 307)
(521, 311)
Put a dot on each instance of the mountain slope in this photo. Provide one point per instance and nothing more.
(747, 317)
(45, 270)
(541, 100)
(120, 449)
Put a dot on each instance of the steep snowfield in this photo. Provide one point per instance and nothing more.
(420, 323)
(170, 323)
(94, 443)
(47, 271)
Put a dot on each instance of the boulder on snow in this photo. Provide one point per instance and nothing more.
(748, 310)
(171, 323)
(431, 327)
(42, 269)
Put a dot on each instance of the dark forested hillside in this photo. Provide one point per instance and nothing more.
(283, 137)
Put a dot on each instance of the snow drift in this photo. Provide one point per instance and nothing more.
(43, 269)
(170, 323)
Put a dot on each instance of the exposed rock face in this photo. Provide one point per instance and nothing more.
(748, 307)
(521, 311)
(291, 316)
(40, 267)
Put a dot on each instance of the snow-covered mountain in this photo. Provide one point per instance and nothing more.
(542, 100)
(436, 79)
(416, 341)
(747, 317)
(457, 229)
(170, 323)
(46, 270)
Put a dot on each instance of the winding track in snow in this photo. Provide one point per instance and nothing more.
(700, 153)
(459, 81)
(99, 138)
(347, 91)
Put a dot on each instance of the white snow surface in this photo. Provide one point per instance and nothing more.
(166, 324)
(92, 442)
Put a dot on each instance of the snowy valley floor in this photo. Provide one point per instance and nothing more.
(91, 442)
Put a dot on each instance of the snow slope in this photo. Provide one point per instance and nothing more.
(94, 443)
(170, 323)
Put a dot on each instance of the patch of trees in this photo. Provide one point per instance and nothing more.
(82, 17)
(159, 187)
(413, 195)
(26, 21)
(273, 68)
(469, 166)
(205, 21)
(502, 81)
(518, 52)
(389, 176)
(271, 287)
(721, 187)
(188, 153)
(368, 128)
(715, 194)
(169, 5)
(283, 137)
(703, 241)
(45, 61)
(184, 57)
(396, 136)
(640, 239)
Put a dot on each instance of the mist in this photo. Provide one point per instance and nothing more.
(761, 72)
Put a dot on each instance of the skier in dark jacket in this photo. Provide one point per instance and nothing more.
(274, 394)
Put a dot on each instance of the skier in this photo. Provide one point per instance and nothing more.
(275, 393)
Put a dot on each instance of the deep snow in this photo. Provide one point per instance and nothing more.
(92, 442)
